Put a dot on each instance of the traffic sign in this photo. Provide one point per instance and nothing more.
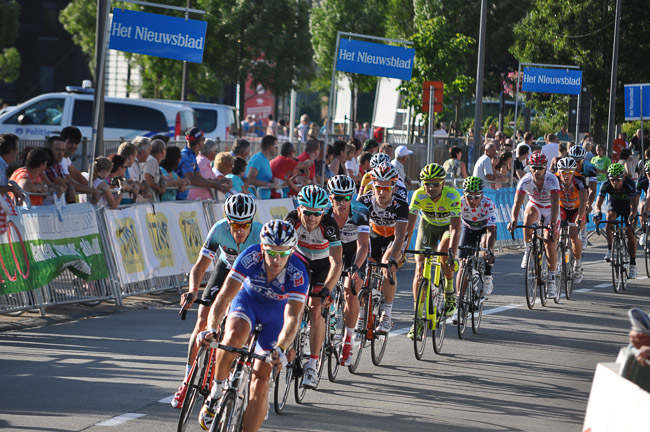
(634, 93)
(438, 87)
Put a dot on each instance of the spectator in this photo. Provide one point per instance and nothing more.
(640, 165)
(311, 153)
(285, 166)
(528, 142)
(635, 142)
(302, 130)
(364, 164)
(440, 130)
(628, 163)
(101, 171)
(602, 162)
(337, 165)
(401, 154)
(641, 341)
(204, 162)
(56, 175)
(371, 146)
(491, 133)
(50, 164)
(259, 172)
(143, 149)
(223, 163)
(588, 147)
(502, 169)
(168, 167)
(499, 140)
(239, 183)
(8, 154)
(563, 135)
(116, 179)
(272, 126)
(507, 146)
(72, 137)
(128, 151)
(151, 168)
(241, 148)
(552, 148)
(456, 168)
(165, 138)
(562, 148)
(31, 176)
(352, 164)
(520, 161)
(188, 167)
(283, 129)
(378, 134)
(328, 158)
(386, 148)
(314, 130)
(483, 166)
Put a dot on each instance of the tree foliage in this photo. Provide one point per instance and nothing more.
(9, 28)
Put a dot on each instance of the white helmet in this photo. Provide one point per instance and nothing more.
(240, 208)
(577, 152)
(378, 159)
(341, 185)
(278, 233)
(567, 164)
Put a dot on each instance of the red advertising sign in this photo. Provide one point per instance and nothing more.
(438, 87)
(258, 102)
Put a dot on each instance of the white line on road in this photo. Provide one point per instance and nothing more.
(116, 421)
(583, 290)
(603, 285)
(167, 400)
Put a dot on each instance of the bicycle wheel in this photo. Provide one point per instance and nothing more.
(333, 341)
(561, 270)
(301, 344)
(477, 297)
(531, 280)
(571, 265)
(543, 287)
(282, 387)
(420, 323)
(464, 302)
(198, 386)
(438, 299)
(646, 250)
(624, 264)
(616, 263)
(379, 341)
(364, 302)
(226, 420)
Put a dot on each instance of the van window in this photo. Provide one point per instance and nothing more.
(206, 119)
(233, 122)
(121, 116)
(43, 112)
(187, 120)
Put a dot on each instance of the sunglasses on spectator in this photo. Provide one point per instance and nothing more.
(278, 254)
(341, 198)
(312, 213)
(433, 184)
(238, 226)
(383, 188)
(537, 168)
(473, 196)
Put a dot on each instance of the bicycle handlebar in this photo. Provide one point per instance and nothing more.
(426, 252)
(614, 222)
(386, 266)
(242, 352)
(474, 249)
(183, 312)
(533, 227)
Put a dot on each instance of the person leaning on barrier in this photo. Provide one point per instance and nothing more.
(72, 137)
(364, 164)
(8, 154)
(311, 153)
(101, 171)
(168, 171)
(69, 194)
(128, 151)
(116, 178)
(285, 166)
(31, 176)
(454, 166)
(241, 148)
(223, 163)
(237, 176)
(151, 168)
(259, 171)
(204, 161)
(520, 161)
(143, 149)
(57, 176)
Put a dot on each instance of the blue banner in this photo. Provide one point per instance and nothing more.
(375, 59)
(157, 35)
(559, 81)
(633, 109)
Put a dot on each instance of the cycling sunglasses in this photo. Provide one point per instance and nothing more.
(567, 171)
(341, 198)
(278, 254)
(238, 226)
(383, 188)
(616, 179)
(312, 213)
(473, 196)
(537, 168)
(433, 184)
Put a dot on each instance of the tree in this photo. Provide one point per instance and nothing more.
(9, 56)
(581, 34)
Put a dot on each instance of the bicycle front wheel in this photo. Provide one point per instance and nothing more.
(365, 303)
(198, 386)
(438, 299)
(543, 280)
(379, 341)
(464, 301)
(420, 323)
(334, 340)
(561, 271)
(617, 264)
(531, 280)
(568, 286)
(646, 251)
(282, 387)
(301, 343)
(226, 420)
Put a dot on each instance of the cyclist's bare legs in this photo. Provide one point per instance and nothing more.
(531, 216)
(419, 268)
(551, 248)
(443, 246)
(609, 229)
(576, 242)
(388, 288)
(631, 241)
(201, 325)
(259, 397)
(351, 307)
(317, 332)
(235, 335)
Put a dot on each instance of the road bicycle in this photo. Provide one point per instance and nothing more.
(620, 256)
(565, 261)
(645, 244)
(335, 329)
(536, 275)
(429, 303)
(371, 302)
(470, 292)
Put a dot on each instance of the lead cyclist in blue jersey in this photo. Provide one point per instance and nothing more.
(226, 240)
(267, 284)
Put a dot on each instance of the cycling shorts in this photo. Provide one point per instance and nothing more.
(216, 281)
(569, 215)
(470, 238)
(430, 235)
(270, 315)
(318, 271)
(350, 256)
(621, 208)
(378, 245)
(543, 212)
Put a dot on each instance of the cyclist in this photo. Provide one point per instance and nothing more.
(623, 201)
(643, 186)
(573, 204)
(543, 190)
(319, 241)
(479, 224)
(366, 181)
(226, 240)
(439, 209)
(388, 221)
(352, 218)
(267, 284)
(590, 173)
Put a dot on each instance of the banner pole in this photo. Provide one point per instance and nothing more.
(430, 128)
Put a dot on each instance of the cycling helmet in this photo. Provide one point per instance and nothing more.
(537, 159)
(384, 172)
(567, 164)
(432, 171)
(577, 152)
(240, 208)
(278, 233)
(615, 170)
(341, 185)
(313, 197)
(647, 166)
(379, 158)
(473, 184)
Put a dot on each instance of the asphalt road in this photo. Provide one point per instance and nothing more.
(525, 371)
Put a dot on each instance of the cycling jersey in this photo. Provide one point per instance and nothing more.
(484, 215)
(541, 198)
(588, 171)
(315, 245)
(384, 220)
(440, 211)
(220, 238)
(642, 185)
(358, 222)
(366, 186)
(570, 194)
(623, 196)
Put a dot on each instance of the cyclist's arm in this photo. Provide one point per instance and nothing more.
(599, 203)
(336, 265)
(292, 316)
(582, 196)
(634, 205)
(519, 200)
(197, 272)
(400, 235)
(454, 232)
(230, 289)
(593, 188)
(555, 207)
(413, 218)
(491, 237)
(363, 241)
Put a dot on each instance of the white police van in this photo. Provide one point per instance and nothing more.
(47, 114)
(218, 122)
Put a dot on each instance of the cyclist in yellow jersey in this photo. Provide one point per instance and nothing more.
(439, 210)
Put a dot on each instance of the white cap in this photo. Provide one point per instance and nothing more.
(402, 151)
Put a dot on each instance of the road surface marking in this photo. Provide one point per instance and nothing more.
(116, 421)
(167, 400)
(583, 290)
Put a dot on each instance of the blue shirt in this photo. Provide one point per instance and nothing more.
(264, 173)
(237, 182)
(3, 171)
(291, 284)
(220, 239)
(187, 164)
